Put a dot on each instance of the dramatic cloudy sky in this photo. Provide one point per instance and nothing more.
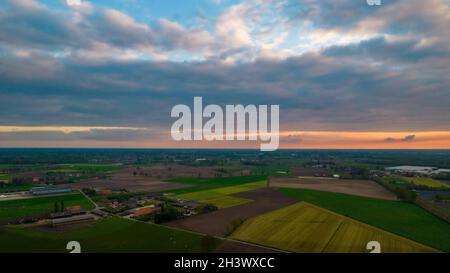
(106, 73)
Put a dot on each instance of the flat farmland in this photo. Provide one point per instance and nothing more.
(352, 237)
(225, 201)
(82, 167)
(171, 171)
(216, 223)
(5, 178)
(401, 218)
(107, 235)
(366, 188)
(426, 181)
(232, 246)
(221, 196)
(131, 184)
(155, 177)
(196, 184)
(9, 188)
(129, 180)
(11, 209)
(306, 228)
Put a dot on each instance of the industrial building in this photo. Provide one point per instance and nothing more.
(73, 220)
(417, 169)
(49, 190)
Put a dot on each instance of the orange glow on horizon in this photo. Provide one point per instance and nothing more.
(288, 140)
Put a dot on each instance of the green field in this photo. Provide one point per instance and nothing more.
(200, 184)
(306, 228)
(5, 178)
(10, 188)
(64, 171)
(81, 167)
(220, 196)
(105, 236)
(416, 181)
(402, 218)
(425, 181)
(11, 209)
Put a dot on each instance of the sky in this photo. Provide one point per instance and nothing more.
(106, 73)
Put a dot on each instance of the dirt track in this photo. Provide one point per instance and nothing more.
(215, 223)
(365, 188)
(242, 247)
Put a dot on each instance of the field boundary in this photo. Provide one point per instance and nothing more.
(344, 220)
(442, 213)
(372, 227)
(204, 234)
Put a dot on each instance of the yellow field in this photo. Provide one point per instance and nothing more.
(425, 181)
(226, 201)
(353, 237)
(220, 196)
(306, 228)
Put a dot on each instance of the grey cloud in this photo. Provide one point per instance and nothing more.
(382, 50)
(115, 135)
(94, 134)
(64, 32)
(408, 138)
(315, 92)
(331, 13)
(291, 139)
(398, 84)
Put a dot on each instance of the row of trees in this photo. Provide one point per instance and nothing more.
(58, 206)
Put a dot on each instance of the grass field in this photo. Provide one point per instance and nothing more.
(404, 219)
(220, 196)
(416, 181)
(10, 188)
(11, 209)
(81, 167)
(106, 235)
(305, 228)
(201, 184)
(425, 181)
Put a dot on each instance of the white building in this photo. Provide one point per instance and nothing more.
(417, 169)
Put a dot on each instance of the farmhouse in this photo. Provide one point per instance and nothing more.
(99, 212)
(72, 220)
(144, 211)
(104, 192)
(187, 204)
(73, 208)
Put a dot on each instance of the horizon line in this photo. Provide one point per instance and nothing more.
(237, 149)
